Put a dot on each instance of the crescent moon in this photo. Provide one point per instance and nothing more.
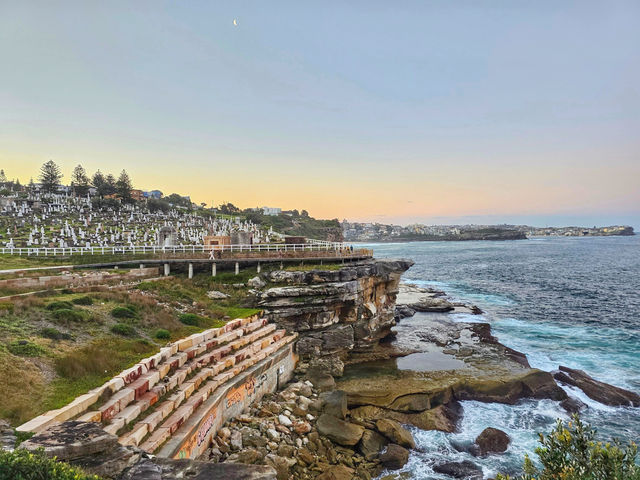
(235, 22)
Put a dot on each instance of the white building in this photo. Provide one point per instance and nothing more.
(273, 211)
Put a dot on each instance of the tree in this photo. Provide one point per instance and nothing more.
(229, 209)
(98, 181)
(123, 187)
(110, 185)
(3, 177)
(571, 453)
(304, 213)
(50, 176)
(80, 181)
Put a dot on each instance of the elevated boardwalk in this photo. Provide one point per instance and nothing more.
(174, 402)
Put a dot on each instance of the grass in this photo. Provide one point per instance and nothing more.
(92, 365)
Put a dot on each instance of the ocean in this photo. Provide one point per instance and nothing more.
(572, 301)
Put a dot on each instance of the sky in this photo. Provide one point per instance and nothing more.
(450, 111)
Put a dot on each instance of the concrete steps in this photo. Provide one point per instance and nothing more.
(119, 389)
(192, 394)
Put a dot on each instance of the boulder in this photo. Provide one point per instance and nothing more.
(573, 405)
(166, 469)
(395, 432)
(336, 472)
(256, 282)
(216, 295)
(371, 444)
(464, 470)
(335, 403)
(322, 380)
(597, 390)
(492, 440)
(236, 440)
(339, 431)
(394, 457)
(432, 304)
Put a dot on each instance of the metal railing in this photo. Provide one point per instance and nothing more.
(317, 245)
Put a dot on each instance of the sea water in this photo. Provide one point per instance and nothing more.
(572, 301)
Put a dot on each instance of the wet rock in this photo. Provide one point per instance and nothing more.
(394, 457)
(395, 432)
(573, 405)
(597, 390)
(371, 444)
(464, 470)
(403, 311)
(339, 431)
(492, 440)
(335, 403)
(432, 304)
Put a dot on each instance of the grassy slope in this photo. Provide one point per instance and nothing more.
(42, 373)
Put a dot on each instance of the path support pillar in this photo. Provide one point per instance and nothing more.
(167, 270)
(258, 268)
(191, 270)
(213, 270)
(141, 266)
(237, 268)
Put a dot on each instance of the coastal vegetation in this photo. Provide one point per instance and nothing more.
(572, 452)
(21, 464)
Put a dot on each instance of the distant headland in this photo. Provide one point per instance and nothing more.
(377, 232)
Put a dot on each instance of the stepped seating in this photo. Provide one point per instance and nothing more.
(153, 430)
(160, 392)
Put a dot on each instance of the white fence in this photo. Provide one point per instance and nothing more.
(316, 245)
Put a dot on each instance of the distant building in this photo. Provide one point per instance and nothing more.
(137, 195)
(272, 211)
(157, 194)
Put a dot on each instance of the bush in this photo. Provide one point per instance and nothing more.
(191, 319)
(55, 334)
(86, 300)
(123, 329)
(162, 334)
(59, 305)
(24, 465)
(68, 315)
(124, 312)
(25, 348)
(571, 453)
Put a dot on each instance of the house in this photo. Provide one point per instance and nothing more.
(272, 211)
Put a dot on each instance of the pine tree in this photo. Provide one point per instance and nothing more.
(123, 186)
(80, 181)
(110, 184)
(50, 176)
(98, 182)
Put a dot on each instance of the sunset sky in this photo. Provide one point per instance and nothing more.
(450, 111)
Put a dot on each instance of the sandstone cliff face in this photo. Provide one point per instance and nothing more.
(338, 312)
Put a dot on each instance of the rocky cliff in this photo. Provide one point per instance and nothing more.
(341, 315)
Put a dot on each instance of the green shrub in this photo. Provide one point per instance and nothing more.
(571, 452)
(24, 465)
(59, 305)
(68, 315)
(123, 329)
(124, 312)
(191, 319)
(25, 348)
(162, 334)
(55, 334)
(86, 300)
